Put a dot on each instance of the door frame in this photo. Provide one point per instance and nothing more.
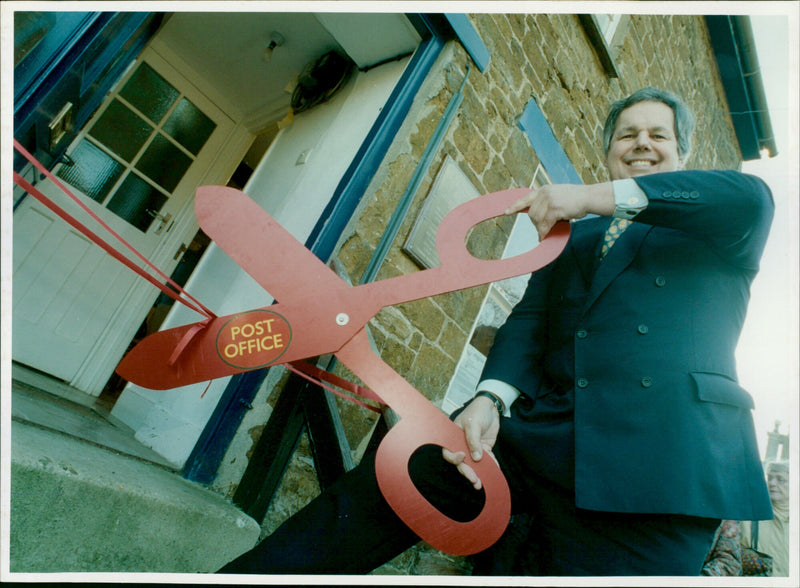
(209, 450)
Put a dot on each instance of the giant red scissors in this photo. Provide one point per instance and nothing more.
(318, 313)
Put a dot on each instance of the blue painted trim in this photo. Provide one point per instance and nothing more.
(547, 148)
(208, 452)
(202, 464)
(470, 39)
(115, 46)
(400, 212)
(731, 54)
(47, 63)
(323, 238)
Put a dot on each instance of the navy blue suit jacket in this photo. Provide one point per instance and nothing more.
(645, 341)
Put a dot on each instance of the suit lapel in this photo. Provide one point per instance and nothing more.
(618, 258)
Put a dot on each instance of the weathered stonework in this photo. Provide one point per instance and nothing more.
(542, 57)
(297, 489)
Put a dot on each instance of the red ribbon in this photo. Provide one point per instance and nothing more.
(319, 376)
(302, 368)
(175, 294)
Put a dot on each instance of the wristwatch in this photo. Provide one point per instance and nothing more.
(497, 402)
(629, 198)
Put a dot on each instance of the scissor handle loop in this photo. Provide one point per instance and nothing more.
(452, 232)
(437, 529)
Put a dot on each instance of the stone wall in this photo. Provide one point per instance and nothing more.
(542, 57)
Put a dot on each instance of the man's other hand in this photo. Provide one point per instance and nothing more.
(480, 422)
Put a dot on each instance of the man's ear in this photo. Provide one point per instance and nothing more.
(681, 162)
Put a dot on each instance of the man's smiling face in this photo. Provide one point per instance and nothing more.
(643, 142)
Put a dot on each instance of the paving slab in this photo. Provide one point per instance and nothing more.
(79, 507)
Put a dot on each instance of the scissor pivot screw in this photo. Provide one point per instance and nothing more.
(342, 319)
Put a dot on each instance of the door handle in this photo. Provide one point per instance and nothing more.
(180, 251)
(164, 219)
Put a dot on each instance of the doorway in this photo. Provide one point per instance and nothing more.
(189, 257)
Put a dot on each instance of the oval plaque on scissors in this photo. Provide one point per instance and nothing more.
(253, 339)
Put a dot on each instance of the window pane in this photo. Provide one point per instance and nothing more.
(121, 130)
(93, 171)
(189, 126)
(133, 199)
(164, 163)
(149, 93)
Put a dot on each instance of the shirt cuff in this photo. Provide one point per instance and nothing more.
(629, 198)
(505, 392)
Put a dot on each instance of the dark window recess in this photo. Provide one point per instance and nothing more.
(240, 176)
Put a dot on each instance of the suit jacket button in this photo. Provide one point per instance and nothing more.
(581, 334)
(642, 329)
(660, 281)
(582, 382)
(647, 382)
(694, 194)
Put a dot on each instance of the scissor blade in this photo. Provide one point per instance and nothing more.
(224, 346)
(261, 246)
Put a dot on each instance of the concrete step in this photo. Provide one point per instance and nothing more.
(79, 507)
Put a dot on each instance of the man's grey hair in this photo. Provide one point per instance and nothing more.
(684, 119)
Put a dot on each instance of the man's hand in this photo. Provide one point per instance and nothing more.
(480, 422)
(555, 202)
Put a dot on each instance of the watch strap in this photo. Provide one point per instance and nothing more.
(495, 400)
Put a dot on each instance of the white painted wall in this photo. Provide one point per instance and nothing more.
(171, 421)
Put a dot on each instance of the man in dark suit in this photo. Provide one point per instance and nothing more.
(609, 397)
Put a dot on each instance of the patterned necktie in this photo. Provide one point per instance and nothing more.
(615, 229)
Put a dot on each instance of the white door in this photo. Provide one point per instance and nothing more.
(136, 164)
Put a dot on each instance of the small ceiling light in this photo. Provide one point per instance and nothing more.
(275, 40)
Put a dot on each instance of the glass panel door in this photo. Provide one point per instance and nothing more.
(136, 164)
(139, 148)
